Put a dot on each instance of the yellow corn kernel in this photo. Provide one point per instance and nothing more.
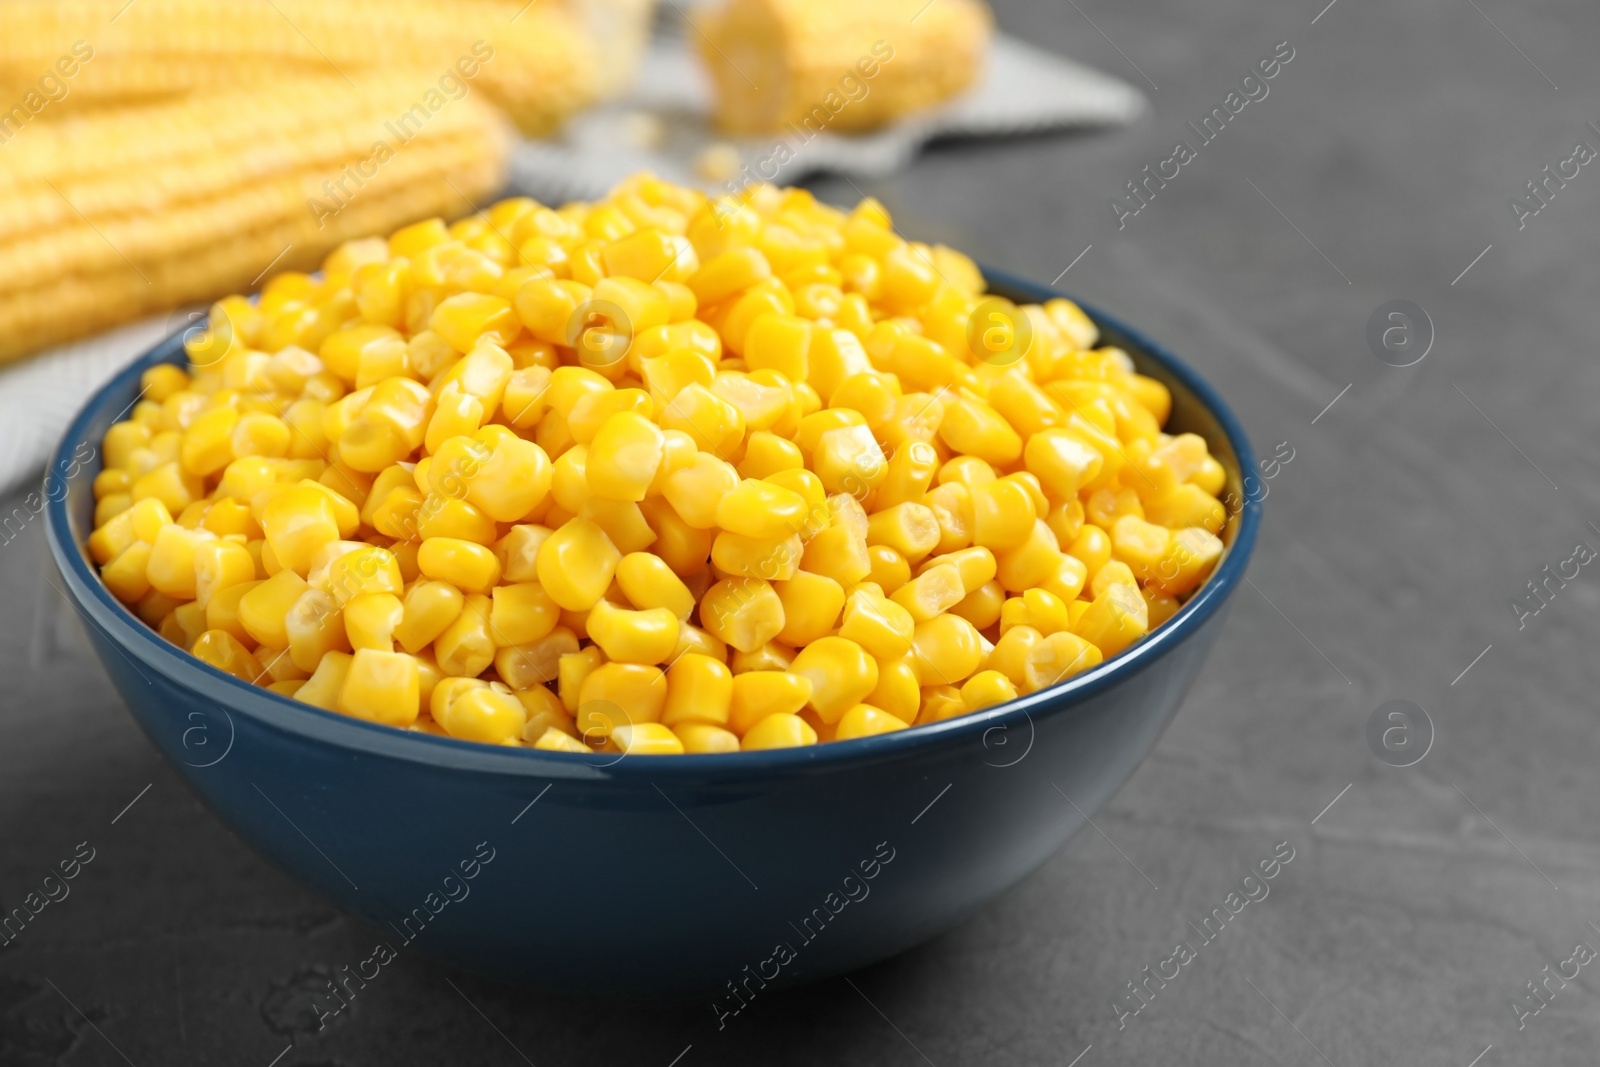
(626, 636)
(982, 607)
(940, 702)
(779, 342)
(576, 564)
(624, 457)
(619, 694)
(1115, 619)
(970, 426)
(223, 651)
(1162, 606)
(841, 673)
(545, 711)
(699, 690)
(127, 575)
(1139, 544)
(313, 627)
(649, 582)
(889, 568)
(208, 442)
(864, 720)
(716, 425)
(536, 663)
(884, 627)
(757, 694)
(911, 471)
(811, 606)
(430, 606)
(1032, 562)
(442, 516)
(172, 563)
(751, 557)
(1108, 504)
(952, 507)
(1190, 556)
(1062, 461)
(571, 670)
(370, 620)
(366, 569)
(297, 523)
(936, 590)
(696, 491)
(553, 740)
(910, 529)
(700, 738)
(264, 610)
(986, 689)
(898, 690)
(170, 484)
(591, 410)
(970, 471)
(323, 687)
(946, 650)
(1211, 476)
(522, 613)
(761, 510)
(482, 713)
(512, 481)
(1056, 658)
(469, 567)
(518, 552)
(380, 686)
(849, 460)
(745, 613)
(727, 274)
(840, 553)
(778, 731)
(222, 611)
(219, 564)
(646, 739)
(466, 647)
(651, 255)
(1187, 505)
(1036, 608)
(465, 319)
(772, 656)
(1003, 514)
(183, 625)
(1092, 547)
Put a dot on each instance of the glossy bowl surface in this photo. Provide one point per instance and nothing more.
(668, 876)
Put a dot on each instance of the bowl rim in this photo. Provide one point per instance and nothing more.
(128, 634)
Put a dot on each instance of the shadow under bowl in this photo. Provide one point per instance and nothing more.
(666, 877)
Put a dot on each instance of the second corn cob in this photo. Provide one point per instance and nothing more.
(838, 64)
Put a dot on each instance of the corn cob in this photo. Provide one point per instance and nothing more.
(157, 205)
(838, 64)
(537, 65)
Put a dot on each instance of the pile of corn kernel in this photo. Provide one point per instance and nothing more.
(657, 474)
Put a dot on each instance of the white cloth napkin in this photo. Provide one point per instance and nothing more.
(1024, 90)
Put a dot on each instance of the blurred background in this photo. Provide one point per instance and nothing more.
(1398, 161)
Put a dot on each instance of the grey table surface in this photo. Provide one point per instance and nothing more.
(1419, 503)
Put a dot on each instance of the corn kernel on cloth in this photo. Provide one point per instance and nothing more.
(663, 126)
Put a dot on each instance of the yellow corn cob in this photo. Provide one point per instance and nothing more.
(535, 61)
(838, 64)
(161, 204)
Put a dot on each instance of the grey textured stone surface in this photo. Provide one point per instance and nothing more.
(1416, 907)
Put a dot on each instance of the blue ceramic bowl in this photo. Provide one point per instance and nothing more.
(667, 876)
